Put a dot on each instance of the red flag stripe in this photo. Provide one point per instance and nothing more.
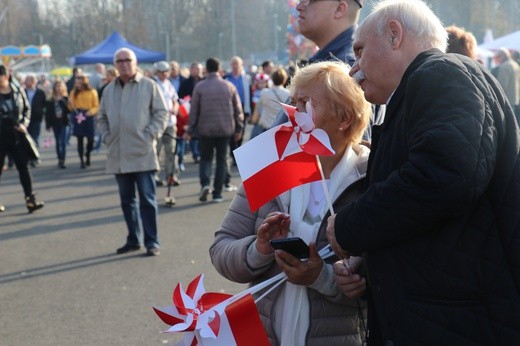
(280, 176)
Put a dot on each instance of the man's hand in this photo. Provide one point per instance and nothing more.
(237, 136)
(351, 284)
(275, 226)
(331, 236)
(300, 272)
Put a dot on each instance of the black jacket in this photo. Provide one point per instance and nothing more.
(440, 219)
(38, 105)
(50, 113)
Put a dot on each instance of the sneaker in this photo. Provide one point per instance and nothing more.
(182, 168)
(203, 194)
(2, 208)
(170, 201)
(128, 248)
(153, 251)
(159, 182)
(230, 187)
(218, 200)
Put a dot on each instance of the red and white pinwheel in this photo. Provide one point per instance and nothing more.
(211, 319)
(301, 135)
(191, 310)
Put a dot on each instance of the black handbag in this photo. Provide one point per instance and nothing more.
(30, 146)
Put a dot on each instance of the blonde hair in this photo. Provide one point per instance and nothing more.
(345, 97)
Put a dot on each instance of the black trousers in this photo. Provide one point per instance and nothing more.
(10, 144)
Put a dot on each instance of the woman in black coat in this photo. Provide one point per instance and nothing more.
(57, 118)
(15, 115)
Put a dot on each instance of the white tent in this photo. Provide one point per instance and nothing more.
(511, 41)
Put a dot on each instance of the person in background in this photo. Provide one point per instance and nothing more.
(507, 73)
(57, 119)
(461, 41)
(96, 79)
(269, 105)
(310, 308)
(216, 116)
(242, 83)
(110, 75)
(186, 89)
(132, 116)
(267, 67)
(15, 115)
(84, 102)
(71, 82)
(168, 138)
(175, 75)
(37, 100)
(438, 223)
(262, 81)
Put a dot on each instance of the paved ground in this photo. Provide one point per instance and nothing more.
(61, 282)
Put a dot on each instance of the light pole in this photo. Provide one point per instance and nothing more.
(220, 36)
(233, 30)
(276, 36)
(40, 44)
(166, 44)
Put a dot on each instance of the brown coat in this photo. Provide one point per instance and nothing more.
(215, 111)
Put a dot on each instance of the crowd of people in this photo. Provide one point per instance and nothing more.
(424, 180)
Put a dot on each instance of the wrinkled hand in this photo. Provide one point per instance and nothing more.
(300, 272)
(275, 226)
(351, 284)
(331, 236)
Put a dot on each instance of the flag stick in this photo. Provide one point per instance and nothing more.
(325, 189)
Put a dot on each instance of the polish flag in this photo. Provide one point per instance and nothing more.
(184, 106)
(281, 158)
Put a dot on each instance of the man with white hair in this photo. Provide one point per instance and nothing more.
(438, 223)
(132, 116)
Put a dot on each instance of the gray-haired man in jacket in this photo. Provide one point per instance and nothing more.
(132, 116)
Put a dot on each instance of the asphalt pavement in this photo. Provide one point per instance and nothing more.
(61, 282)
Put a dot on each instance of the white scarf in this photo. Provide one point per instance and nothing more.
(296, 313)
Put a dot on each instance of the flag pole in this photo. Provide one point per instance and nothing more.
(324, 184)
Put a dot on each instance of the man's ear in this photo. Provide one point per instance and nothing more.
(395, 32)
(341, 9)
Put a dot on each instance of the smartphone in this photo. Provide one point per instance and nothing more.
(295, 246)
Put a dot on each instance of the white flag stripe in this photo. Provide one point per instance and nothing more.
(256, 154)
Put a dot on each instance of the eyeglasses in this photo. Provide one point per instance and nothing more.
(306, 3)
(121, 61)
(359, 3)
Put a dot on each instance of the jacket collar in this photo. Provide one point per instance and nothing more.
(339, 48)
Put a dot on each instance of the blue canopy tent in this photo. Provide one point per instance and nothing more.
(104, 52)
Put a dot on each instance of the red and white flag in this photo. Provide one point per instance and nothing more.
(283, 157)
(185, 105)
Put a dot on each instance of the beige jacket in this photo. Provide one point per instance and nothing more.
(131, 119)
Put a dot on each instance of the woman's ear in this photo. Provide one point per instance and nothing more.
(345, 124)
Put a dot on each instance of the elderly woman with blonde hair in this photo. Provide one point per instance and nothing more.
(318, 304)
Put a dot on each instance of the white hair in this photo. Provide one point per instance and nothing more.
(124, 49)
(415, 16)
